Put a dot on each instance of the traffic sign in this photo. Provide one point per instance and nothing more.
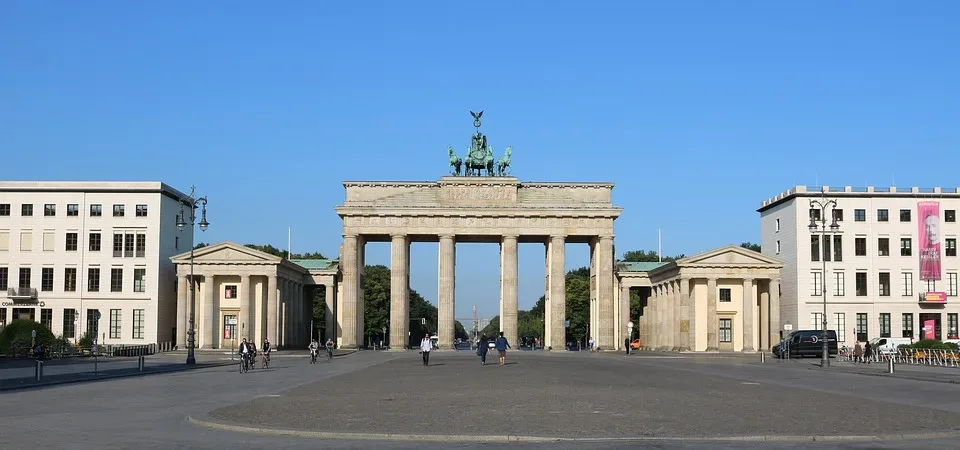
(787, 326)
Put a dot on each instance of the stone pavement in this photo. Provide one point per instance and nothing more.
(151, 412)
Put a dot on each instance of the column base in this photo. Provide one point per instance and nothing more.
(713, 349)
(675, 349)
(748, 350)
(683, 349)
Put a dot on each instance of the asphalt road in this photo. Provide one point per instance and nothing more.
(151, 411)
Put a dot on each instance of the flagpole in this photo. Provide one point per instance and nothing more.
(659, 246)
(289, 248)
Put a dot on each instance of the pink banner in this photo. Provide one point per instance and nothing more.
(929, 222)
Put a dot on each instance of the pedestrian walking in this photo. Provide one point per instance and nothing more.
(867, 352)
(502, 345)
(482, 348)
(858, 353)
(425, 347)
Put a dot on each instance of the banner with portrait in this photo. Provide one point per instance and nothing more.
(928, 215)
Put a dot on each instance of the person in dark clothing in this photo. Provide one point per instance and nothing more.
(626, 345)
(502, 345)
(482, 348)
(867, 352)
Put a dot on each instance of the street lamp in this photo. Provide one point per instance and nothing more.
(191, 202)
(822, 204)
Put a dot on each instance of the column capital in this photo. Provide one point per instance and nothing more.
(605, 236)
(447, 236)
(747, 278)
(509, 236)
(351, 236)
(558, 239)
(395, 236)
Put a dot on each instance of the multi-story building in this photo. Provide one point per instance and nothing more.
(891, 264)
(92, 257)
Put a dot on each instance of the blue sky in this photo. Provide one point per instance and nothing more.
(696, 110)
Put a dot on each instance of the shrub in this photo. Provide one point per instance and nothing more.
(931, 344)
(18, 336)
(85, 341)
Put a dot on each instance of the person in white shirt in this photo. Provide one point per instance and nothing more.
(425, 347)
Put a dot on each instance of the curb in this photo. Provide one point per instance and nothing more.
(108, 377)
(218, 425)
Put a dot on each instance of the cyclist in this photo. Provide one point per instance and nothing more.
(329, 346)
(314, 347)
(266, 353)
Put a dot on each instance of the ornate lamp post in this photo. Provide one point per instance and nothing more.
(191, 202)
(822, 204)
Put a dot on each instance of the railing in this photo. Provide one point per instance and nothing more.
(22, 293)
(910, 356)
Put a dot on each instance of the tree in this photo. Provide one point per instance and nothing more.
(647, 256)
(200, 245)
(284, 253)
(459, 332)
(751, 246)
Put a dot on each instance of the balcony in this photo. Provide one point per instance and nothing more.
(22, 294)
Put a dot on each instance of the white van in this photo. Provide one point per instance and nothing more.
(885, 346)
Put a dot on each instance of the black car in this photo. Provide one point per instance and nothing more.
(803, 343)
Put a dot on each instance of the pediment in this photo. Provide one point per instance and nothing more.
(227, 252)
(730, 256)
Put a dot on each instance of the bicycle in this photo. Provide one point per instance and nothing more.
(329, 354)
(313, 356)
(244, 363)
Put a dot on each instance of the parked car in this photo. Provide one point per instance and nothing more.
(807, 343)
(886, 346)
(635, 344)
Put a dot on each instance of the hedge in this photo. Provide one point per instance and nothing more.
(17, 335)
(930, 344)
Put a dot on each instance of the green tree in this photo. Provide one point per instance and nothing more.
(647, 256)
(577, 305)
(751, 246)
(200, 245)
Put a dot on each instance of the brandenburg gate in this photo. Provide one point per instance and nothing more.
(474, 206)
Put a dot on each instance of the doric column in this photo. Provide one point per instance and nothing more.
(446, 288)
(713, 323)
(625, 314)
(183, 312)
(687, 318)
(654, 317)
(774, 288)
(301, 321)
(748, 304)
(399, 292)
(210, 311)
(675, 315)
(558, 306)
(273, 320)
(764, 319)
(329, 316)
(244, 320)
(508, 288)
(348, 337)
(605, 280)
(284, 318)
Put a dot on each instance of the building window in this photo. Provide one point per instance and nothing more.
(48, 242)
(838, 289)
(25, 277)
(4, 209)
(49, 210)
(816, 321)
(138, 322)
(229, 327)
(93, 326)
(26, 210)
(862, 327)
(837, 247)
(931, 285)
(860, 246)
(951, 249)
(952, 284)
(117, 210)
(861, 281)
(141, 245)
(904, 215)
(950, 215)
(826, 248)
(884, 284)
(117, 245)
(116, 280)
(815, 214)
(840, 326)
(4, 279)
(952, 324)
(726, 330)
(906, 247)
(46, 318)
(883, 215)
(230, 291)
(71, 242)
(885, 325)
(859, 215)
(778, 247)
(141, 210)
(883, 246)
(139, 280)
(70, 279)
(816, 284)
(96, 210)
(777, 222)
(114, 324)
(69, 323)
(94, 242)
(814, 248)
(128, 245)
(26, 241)
(907, 325)
(46, 279)
(838, 215)
(907, 284)
(93, 279)
(73, 210)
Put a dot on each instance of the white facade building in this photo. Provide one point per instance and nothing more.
(70, 250)
(874, 283)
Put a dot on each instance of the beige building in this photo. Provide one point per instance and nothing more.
(72, 250)
(874, 283)
(721, 300)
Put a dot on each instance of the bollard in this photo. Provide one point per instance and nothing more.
(140, 363)
(890, 365)
(39, 370)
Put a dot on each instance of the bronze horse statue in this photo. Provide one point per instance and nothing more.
(479, 157)
(455, 162)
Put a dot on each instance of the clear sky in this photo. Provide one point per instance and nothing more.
(696, 110)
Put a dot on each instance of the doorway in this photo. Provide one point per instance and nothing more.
(930, 326)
